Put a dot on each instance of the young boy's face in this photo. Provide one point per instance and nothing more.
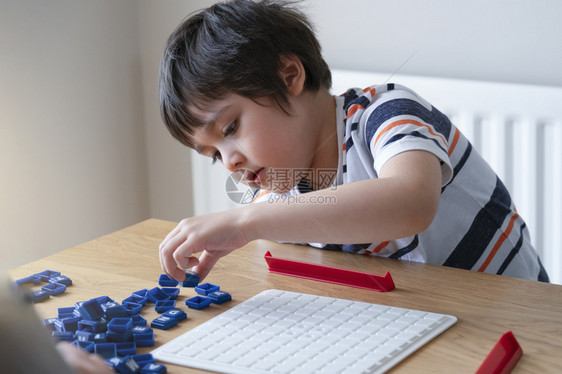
(257, 140)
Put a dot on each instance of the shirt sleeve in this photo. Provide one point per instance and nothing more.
(406, 123)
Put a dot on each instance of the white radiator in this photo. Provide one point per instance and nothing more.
(516, 128)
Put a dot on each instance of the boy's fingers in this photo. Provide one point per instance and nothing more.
(184, 261)
(176, 255)
(161, 257)
(206, 263)
(177, 274)
(169, 264)
(173, 234)
(174, 244)
(164, 247)
(170, 235)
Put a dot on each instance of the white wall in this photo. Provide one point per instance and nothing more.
(495, 40)
(83, 151)
(72, 155)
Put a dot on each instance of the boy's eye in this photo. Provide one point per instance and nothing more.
(230, 129)
(216, 156)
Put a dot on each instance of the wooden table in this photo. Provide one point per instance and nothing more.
(486, 305)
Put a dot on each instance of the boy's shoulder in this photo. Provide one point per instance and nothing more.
(376, 95)
(377, 104)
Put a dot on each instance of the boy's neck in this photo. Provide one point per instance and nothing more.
(324, 123)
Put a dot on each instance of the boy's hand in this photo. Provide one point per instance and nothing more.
(215, 235)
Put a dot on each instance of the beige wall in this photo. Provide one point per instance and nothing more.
(72, 137)
(168, 162)
(83, 151)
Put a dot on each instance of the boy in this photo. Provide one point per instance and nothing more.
(244, 83)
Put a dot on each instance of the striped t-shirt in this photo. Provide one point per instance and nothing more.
(476, 226)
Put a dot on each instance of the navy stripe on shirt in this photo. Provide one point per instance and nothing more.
(349, 143)
(407, 249)
(361, 100)
(458, 167)
(513, 252)
(349, 96)
(398, 107)
(354, 248)
(414, 134)
(543, 276)
(482, 231)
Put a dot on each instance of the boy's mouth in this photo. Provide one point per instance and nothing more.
(254, 177)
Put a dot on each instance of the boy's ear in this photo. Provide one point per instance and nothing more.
(293, 74)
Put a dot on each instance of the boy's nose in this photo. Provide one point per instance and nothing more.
(232, 160)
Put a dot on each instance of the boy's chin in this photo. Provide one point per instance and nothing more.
(267, 188)
(278, 188)
(253, 184)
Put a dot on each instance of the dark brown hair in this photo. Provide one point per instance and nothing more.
(235, 47)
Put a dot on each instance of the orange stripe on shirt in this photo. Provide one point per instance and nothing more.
(260, 195)
(407, 122)
(455, 141)
(499, 243)
(353, 109)
(380, 247)
(371, 90)
(377, 249)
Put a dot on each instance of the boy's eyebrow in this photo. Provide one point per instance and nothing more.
(207, 125)
(215, 117)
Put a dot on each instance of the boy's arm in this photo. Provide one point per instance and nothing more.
(400, 203)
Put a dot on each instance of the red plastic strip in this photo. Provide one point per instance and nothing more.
(329, 274)
(503, 357)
